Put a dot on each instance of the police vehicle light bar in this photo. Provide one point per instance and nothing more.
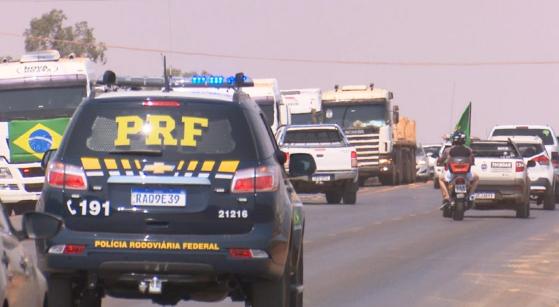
(237, 81)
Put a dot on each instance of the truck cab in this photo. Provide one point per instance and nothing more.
(305, 105)
(266, 94)
(385, 143)
(38, 95)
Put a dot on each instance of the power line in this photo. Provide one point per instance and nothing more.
(308, 60)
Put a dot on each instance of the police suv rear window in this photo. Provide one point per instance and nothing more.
(494, 150)
(173, 131)
(312, 136)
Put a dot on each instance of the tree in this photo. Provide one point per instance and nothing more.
(48, 32)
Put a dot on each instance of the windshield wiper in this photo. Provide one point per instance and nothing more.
(138, 152)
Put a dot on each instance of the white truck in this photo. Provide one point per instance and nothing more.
(305, 105)
(38, 95)
(336, 160)
(385, 142)
(266, 94)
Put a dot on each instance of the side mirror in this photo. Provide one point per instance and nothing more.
(531, 163)
(47, 156)
(301, 165)
(281, 157)
(38, 225)
(396, 114)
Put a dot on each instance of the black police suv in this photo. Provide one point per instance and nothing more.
(169, 196)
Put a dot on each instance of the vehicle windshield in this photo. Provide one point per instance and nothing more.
(267, 107)
(356, 116)
(544, 134)
(305, 118)
(530, 150)
(494, 150)
(434, 150)
(191, 130)
(312, 136)
(40, 103)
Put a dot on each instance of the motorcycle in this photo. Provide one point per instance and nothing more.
(459, 188)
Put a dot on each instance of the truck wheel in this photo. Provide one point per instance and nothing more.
(362, 181)
(523, 211)
(549, 200)
(350, 194)
(60, 292)
(333, 197)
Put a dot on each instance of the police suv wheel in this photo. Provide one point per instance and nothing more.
(60, 292)
(271, 293)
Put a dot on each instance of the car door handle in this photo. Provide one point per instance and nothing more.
(320, 156)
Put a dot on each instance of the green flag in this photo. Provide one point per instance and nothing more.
(465, 123)
(29, 139)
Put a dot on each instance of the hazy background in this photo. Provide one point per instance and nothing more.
(386, 31)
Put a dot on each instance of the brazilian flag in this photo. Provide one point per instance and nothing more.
(465, 123)
(29, 139)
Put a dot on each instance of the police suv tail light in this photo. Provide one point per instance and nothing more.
(519, 166)
(60, 175)
(260, 179)
(353, 158)
(245, 253)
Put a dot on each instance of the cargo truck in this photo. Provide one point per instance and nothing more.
(304, 105)
(266, 94)
(385, 142)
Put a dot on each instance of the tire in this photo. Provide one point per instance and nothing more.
(523, 211)
(350, 194)
(447, 212)
(333, 197)
(458, 212)
(556, 191)
(549, 200)
(90, 299)
(436, 184)
(60, 292)
(8, 209)
(297, 282)
(271, 293)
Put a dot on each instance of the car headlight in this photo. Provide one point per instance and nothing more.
(5, 173)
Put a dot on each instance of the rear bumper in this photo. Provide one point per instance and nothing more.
(339, 180)
(12, 197)
(539, 186)
(506, 197)
(108, 257)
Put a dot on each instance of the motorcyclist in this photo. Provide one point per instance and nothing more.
(458, 149)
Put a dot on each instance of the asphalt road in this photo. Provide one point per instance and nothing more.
(393, 248)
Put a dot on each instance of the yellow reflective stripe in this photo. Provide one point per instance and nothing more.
(179, 167)
(110, 164)
(138, 165)
(126, 164)
(192, 165)
(208, 166)
(90, 163)
(228, 166)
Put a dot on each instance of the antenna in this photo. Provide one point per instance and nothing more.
(167, 87)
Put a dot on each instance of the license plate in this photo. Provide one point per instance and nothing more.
(158, 197)
(460, 188)
(501, 164)
(483, 195)
(321, 178)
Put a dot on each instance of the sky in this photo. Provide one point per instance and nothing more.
(389, 39)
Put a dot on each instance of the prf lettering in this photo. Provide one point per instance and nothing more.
(159, 129)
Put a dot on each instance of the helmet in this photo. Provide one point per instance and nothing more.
(458, 138)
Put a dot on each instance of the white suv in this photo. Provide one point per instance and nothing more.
(546, 133)
(542, 177)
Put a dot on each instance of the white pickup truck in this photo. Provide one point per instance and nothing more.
(336, 160)
(503, 177)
